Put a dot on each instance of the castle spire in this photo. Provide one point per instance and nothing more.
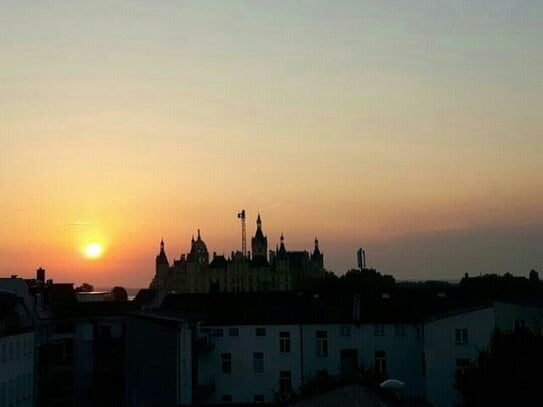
(282, 249)
(259, 243)
(316, 250)
(162, 258)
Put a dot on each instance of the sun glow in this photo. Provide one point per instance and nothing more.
(93, 250)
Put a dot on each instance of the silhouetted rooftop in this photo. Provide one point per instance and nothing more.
(259, 261)
(411, 305)
(219, 262)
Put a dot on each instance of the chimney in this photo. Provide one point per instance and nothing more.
(40, 275)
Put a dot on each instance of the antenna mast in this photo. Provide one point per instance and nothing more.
(241, 216)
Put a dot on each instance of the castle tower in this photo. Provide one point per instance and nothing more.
(198, 251)
(259, 243)
(161, 266)
(317, 256)
(162, 260)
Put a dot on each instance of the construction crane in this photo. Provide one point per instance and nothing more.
(241, 216)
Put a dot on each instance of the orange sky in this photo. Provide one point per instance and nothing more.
(365, 125)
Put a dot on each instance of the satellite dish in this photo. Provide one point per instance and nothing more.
(394, 387)
(392, 384)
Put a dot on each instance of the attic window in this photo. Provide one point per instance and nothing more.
(441, 295)
(386, 296)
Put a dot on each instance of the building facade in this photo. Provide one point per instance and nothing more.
(17, 357)
(453, 341)
(259, 270)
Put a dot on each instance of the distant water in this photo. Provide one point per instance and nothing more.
(132, 292)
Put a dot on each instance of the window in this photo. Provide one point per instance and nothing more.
(345, 330)
(284, 342)
(258, 362)
(461, 336)
(399, 330)
(233, 332)
(216, 333)
(11, 350)
(379, 330)
(4, 352)
(226, 363)
(226, 398)
(258, 398)
(322, 343)
(285, 381)
(260, 331)
(380, 362)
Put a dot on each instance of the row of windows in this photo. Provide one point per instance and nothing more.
(345, 331)
(284, 347)
(219, 332)
(250, 279)
(16, 390)
(380, 366)
(17, 349)
(379, 330)
(258, 362)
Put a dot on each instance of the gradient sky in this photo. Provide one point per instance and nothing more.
(413, 129)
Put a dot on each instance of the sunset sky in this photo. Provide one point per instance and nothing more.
(413, 129)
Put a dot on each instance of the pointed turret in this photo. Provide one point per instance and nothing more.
(259, 243)
(316, 250)
(198, 251)
(162, 266)
(317, 256)
(282, 250)
(162, 258)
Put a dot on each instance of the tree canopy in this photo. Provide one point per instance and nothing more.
(507, 374)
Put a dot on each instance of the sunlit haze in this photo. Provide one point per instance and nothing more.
(412, 129)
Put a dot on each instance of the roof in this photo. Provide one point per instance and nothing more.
(218, 262)
(397, 306)
(259, 261)
(99, 308)
(145, 296)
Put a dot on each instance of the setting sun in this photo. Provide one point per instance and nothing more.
(93, 250)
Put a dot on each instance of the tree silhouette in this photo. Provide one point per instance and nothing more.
(508, 374)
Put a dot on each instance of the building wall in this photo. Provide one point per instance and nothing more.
(442, 351)
(17, 370)
(158, 364)
(403, 346)
(509, 315)
(242, 384)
